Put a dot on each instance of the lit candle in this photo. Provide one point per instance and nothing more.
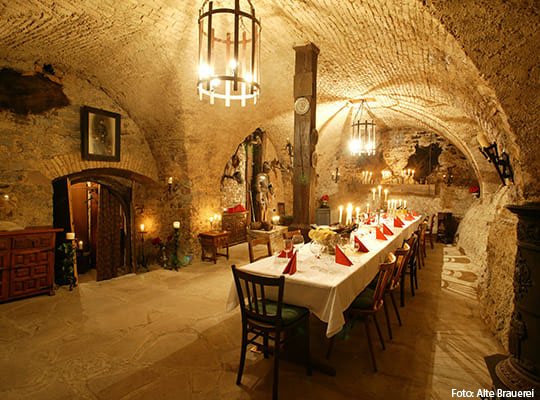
(142, 227)
(176, 224)
(357, 214)
(408, 172)
(70, 236)
(219, 217)
(80, 244)
(385, 194)
(370, 176)
(349, 214)
(169, 181)
(400, 202)
(373, 191)
(340, 213)
(405, 204)
(379, 187)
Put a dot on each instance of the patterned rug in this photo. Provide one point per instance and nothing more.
(459, 274)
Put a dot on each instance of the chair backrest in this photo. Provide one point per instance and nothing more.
(256, 242)
(289, 235)
(252, 293)
(402, 258)
(413, 244)
(423, 227)
(386, 271)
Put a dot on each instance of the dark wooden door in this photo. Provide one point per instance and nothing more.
(61, 219)
(108, 249)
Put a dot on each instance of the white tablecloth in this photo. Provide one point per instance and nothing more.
(323, 286)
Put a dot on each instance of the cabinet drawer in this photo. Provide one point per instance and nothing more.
(4, 284)
(4, 259)
(29, 259)
(34, 241)
(5, 244)
(31, 278)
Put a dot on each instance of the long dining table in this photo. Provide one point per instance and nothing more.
(323, 286)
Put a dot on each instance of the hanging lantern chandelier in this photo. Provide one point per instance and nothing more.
(229, 51)
(363, 140)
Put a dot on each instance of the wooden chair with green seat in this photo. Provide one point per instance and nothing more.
(402, 258)
(257, 242)
(366, 305)
(268, 320)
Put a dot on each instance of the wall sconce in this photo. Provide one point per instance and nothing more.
(336, 175)
(501, 162)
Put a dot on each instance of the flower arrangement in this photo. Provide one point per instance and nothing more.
(475, 190)
(324, 201)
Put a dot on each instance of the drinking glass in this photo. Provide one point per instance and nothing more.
(315, 248)
(298, 241)
(288, 247)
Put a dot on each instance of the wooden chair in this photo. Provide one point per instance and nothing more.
(368, 303)
(422, 244)
(402, 258)
(289, 235)
(257, 242)
(429, 231)
(268, 320)
(411, 268)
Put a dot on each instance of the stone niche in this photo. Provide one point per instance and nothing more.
(444, 172)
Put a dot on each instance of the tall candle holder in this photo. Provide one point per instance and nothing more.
(143, 261)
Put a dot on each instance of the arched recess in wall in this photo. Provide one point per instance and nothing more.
(97, 204)
(256, 154)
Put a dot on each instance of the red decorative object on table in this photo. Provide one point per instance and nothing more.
(341, 258)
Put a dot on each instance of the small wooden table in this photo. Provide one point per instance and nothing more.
(211, 241)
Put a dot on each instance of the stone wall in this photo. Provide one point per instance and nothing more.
(36, 149)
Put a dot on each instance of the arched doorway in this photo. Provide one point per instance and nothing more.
(97, 205)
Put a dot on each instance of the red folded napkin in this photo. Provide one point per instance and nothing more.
(398, 223)
(239, 208)
(386, 230)
(291, 266)
(409, 217)
(284, 255)
(379, 235)
(360, 246)
(341, 258)
(414, 214)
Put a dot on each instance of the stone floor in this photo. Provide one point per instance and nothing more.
(165, 335)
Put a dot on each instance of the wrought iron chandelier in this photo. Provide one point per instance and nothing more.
(363, 139)
(229, 51)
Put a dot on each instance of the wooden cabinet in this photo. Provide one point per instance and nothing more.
(211, 242)
(236, 224)
(26, 263)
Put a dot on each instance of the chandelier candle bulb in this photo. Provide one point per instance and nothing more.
(483, 140)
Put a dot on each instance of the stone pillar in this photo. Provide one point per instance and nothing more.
(521, 370)
(305, 135)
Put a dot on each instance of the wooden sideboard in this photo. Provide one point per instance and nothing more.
(236, 223)
(26, 263)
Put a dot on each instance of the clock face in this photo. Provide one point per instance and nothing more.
(301, 105)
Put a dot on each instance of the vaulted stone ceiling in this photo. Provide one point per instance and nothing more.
(142, 53)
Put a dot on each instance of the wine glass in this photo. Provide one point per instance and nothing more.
(288, 247)
(298, 241)
(315, 248)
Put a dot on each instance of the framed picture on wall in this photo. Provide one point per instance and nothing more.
(100, 134)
